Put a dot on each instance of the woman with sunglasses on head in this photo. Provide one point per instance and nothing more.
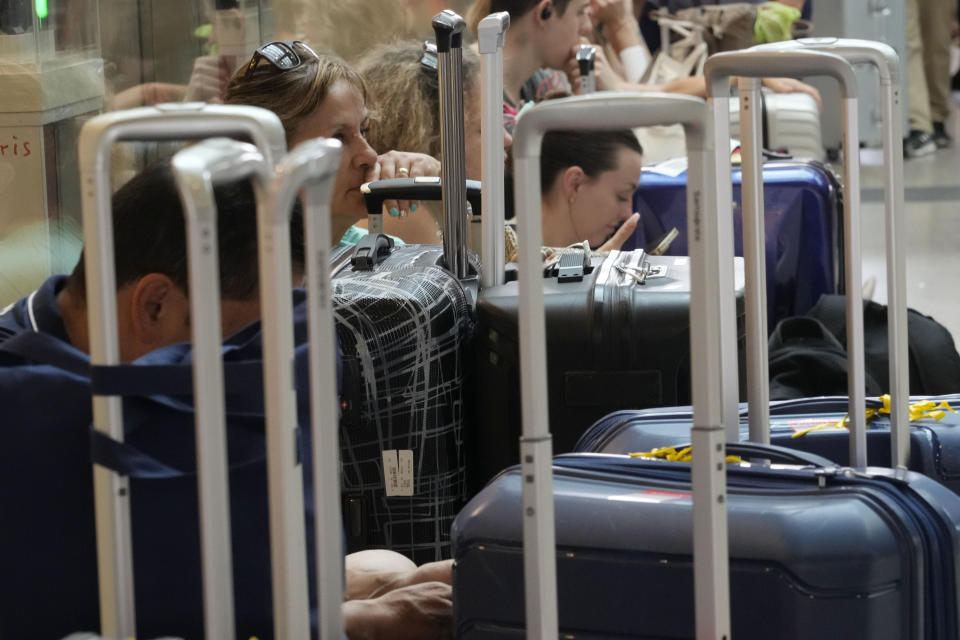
(320, 96)
(386, 595)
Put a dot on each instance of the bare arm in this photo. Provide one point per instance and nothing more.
(364, 584)
(422, 612)
(620, 27)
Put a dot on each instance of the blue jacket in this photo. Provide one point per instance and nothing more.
(46, 490)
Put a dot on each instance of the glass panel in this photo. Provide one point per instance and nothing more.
(52, 75)
(62, 61)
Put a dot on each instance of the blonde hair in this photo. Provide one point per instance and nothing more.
(403, 96)
(292, 94)
(350, 28)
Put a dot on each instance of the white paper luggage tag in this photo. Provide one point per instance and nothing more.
(398, 472)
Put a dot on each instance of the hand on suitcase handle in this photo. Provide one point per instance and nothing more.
(402, 164)
(379, 192)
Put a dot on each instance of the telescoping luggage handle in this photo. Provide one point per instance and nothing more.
(312, 168)
(163, 122)
(491, 34)
(448, 28)
(751, 64)
(375, 247)
(884, 58)
(197, 170)
(611, 111)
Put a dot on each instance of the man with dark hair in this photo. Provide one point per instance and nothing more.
(50, 584)
(151, 270)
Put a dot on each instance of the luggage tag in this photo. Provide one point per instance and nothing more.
(398, 472)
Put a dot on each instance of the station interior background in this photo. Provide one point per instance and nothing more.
(62, 61)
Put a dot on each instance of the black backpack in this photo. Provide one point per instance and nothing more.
(805, 361)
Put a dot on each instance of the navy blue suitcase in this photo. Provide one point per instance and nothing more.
(803, 220)
(814, 553)
(934, 443)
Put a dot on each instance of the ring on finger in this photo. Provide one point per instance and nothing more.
(403, 171)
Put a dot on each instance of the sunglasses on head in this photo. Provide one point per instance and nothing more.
(428, 61)
(280, 54)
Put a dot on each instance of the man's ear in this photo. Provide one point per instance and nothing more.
(159, 311)
(572, 179)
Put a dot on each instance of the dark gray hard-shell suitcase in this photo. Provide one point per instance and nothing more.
(405, 318)
(617, 327)
(814, 553)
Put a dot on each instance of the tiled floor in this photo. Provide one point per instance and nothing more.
(932, 232)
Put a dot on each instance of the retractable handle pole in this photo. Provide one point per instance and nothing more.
(312, 167)
(491, 34)
(884, 58)
(197, 170)
(727, 321)
(798, 64)
(183, 121)
(616, 111)
(288, 560)
(448, 28)
(755, 260)
(586, 60)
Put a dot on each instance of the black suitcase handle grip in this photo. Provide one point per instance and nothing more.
(421, 188)
(372, 249)
(448, 28)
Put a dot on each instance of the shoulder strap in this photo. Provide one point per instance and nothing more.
(43, 348)
(125, 379)
(127, 460)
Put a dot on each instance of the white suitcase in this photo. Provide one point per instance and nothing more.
(791, 123)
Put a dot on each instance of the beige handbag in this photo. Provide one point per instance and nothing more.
(726, 27)
(685, 57)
